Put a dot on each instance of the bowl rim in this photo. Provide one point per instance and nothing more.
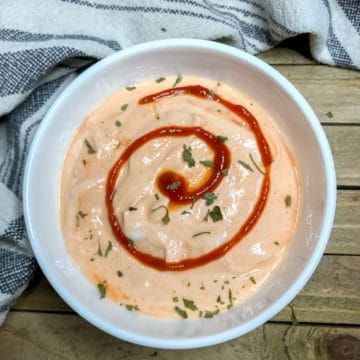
(324, 232)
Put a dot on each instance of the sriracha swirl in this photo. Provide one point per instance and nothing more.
(182, 194)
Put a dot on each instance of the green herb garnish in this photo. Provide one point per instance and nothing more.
(225, 171)
(256, 165)
(288, 201)
(160, 79)
(329, 114)
(294, 320)
(195, 199)
(166, 218)
(201, 233)
(157, 197)
(131, 208)
(120, 274)
(130, 88)
(124, 107)
(102, 290)
(276, 243)
(108, 249)
(175, 299)
(245, 165)
(216, 214)
(190, 304)
(131, 307)
(181, 312)
(222, 138)
(207, 163)
(219, 300)
(210, 314)
(118, 123)
(99, 252)
(231, 304)
(84, 162)
(206, 217)
(173, 186)
(187, 156)
(81, 214)
(210, 198)
(177, 81)
(252, 279)
(90, 149)
(130, 242)
(184, 212)
(163, 29)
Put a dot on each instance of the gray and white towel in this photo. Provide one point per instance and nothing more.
(44, 44)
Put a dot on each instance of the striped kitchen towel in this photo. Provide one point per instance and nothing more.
(44, 44)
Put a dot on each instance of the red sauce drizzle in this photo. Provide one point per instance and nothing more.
(182, 194)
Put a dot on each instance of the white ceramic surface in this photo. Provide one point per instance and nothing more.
(151, 60)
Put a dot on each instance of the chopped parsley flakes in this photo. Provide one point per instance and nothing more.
(245, 165)
(210, 198)
(256, 165)
(288, 201)
(177, 81)
(130, 307)
(190, 304)
(222, 138)
(225, 171)
(108, 249)
(201, 233)
(181, 312)
(160, 79)
(207, 163)
(102, 290)
(166, 218)
(187, 156)
(216, 214)
(173, 186)
(90, 148)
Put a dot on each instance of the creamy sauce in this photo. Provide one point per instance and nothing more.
(176, 232)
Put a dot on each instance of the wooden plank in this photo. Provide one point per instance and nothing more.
(345, 146)
(331, 296)
(40, 296)
(54, 336)
(285, 56)
(344, 237)
(327, 89)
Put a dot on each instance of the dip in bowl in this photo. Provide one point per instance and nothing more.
(245, 296)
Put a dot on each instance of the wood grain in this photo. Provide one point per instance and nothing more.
(331, 296)
(345, 146)
(327, 89)
(53, 336)
(285, 56)
(42, 326)
(345, 235)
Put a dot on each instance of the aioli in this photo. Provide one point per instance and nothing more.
(138, 186)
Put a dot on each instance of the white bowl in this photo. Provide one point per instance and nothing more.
(172, 57)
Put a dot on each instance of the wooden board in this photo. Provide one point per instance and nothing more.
(42, 326)
(345, 146)
(331, 296)
(54, 336)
